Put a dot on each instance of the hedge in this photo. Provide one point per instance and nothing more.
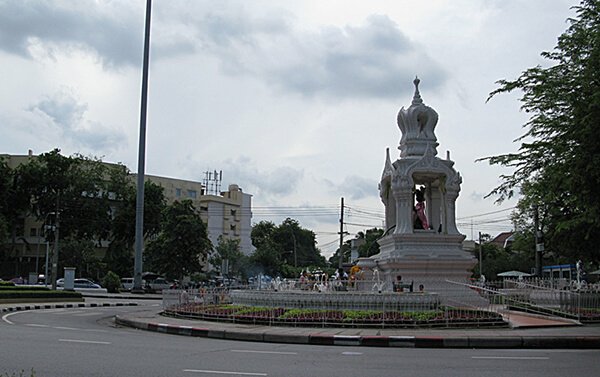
(40, 293)
(21, 288)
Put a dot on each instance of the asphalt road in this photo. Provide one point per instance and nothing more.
(85, 342)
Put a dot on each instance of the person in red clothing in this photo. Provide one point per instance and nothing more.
(421, 218)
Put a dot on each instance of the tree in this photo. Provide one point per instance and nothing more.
(74, 187)
(182, 244)
(266, 260)
(557, 167)
(119, 254)
(367, 248)
(286, 244)
(229, 249)
(370, 247)
(298, 245)
(5, 183)
(81, 255)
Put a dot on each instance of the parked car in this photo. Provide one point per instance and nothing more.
(79, 283)
(18, 280)
(85, 283)
(127, 283)
(157, 284)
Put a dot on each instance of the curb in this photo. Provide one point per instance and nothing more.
(540, 342)
(64, 305)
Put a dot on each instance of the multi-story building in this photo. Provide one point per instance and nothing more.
(228, 214)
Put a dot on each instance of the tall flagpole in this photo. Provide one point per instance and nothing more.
(139, 207)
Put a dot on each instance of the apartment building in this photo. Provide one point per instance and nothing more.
(228, 214)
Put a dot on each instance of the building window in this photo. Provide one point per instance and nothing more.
(178, 192)
(232, 226)
(192, 194)
(233, 212)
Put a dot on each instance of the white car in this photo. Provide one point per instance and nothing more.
(85, 283)
(127, 283)
(158, 284)
(79, 283)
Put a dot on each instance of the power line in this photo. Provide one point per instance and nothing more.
(487, 213)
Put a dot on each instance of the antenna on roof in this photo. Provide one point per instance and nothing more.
(212, 182)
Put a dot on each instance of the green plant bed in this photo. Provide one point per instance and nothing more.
(41, 295)
(343, 318)
(21, 288)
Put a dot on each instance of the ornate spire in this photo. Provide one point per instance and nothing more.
(417, 125)
(388, 169)
(417, 100)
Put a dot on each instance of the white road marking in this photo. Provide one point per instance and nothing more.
(66, 312)
(224, 372)
(348, 353)
(87, 314)
(35, 325)
(5, 317)
(547, 350)
(510, 357)
(269, 352)
(83, 341)
(64, 328)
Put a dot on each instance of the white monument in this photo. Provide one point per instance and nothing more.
(419, 190)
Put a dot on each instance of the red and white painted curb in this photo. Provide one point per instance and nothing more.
(17, 308)
(581, 342)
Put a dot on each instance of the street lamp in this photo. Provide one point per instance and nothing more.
(43, 227)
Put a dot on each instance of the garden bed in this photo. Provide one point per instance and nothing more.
(18, 294)
(442, 317)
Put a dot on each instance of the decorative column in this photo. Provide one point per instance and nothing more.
(452, 191)
(402, 189)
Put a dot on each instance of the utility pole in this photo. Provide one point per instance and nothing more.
(539, 242)
(341, 260)
(295, 255)
(139, 207)
(480, 257)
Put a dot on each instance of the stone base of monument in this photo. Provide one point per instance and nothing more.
(434, 261)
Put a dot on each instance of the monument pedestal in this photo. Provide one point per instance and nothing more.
(436, 261)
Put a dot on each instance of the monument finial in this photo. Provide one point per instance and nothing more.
(417, 97)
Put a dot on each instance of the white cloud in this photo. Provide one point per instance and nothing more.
(65, 112)
(294, 101)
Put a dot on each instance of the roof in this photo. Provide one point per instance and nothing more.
(503, 239)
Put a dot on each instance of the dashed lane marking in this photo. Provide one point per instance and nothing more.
(510, 357)
(266, 352)
(224, 372)
(83, 341)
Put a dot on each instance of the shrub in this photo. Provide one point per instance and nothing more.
(111, 282)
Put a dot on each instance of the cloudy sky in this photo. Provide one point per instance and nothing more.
(295, 101)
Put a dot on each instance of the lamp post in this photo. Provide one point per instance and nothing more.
(46, 227)
(56, 238)
(139, 213)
